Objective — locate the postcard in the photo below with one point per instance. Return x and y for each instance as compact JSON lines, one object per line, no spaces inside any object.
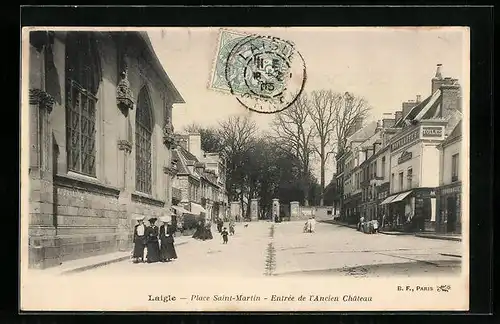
{"x":245,"y":169}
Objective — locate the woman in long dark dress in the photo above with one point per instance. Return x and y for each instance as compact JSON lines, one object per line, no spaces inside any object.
{"x":167,"y":249}
{"x":153,"y":245}
{"x":198,"y":234}
{"x":139,"y":240}
{"x":208,"y":231}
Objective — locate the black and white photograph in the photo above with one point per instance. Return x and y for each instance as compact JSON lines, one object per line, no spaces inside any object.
{"x":244,"y":168}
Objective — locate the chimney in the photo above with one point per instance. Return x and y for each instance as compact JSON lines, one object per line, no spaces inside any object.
{"x":398,"y":115}
{"x":451,"y":98}
{"x":388,"y":122}
{"x":195,"y":145}
{"x":407,"y":106}
{"x":438,"y":80}
{"x":380,"y":125}
{"x":438,"y":72}
{"x":419,"y":99}
{"x":356,"y":125}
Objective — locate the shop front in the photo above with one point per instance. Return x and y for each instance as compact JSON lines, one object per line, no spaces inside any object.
{"x":352,"y":208}
{"x":425,"y":208}
{"x":449,"y":208}
{"x":412,"y":210}
{"x":382,"y":209}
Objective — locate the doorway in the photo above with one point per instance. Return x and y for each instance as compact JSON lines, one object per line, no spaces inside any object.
{"x":451,"y":209}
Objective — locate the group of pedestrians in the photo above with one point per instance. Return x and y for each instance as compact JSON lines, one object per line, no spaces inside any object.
{"x":203,"y":230}
{"x":369,"y":227}
{"x":223,"y":230}
{"x":158,"y":241}
{"x":310,"y":225}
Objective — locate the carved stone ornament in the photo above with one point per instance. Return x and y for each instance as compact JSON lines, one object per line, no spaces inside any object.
{"x":125,"y":145}
{"x":168,"y":134}
{"x":172,"y":171}
{"x":42,"y":99}
{"x":124,"y":95}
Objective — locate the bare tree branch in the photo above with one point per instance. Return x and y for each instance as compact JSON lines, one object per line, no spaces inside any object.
{"x":294,"y":132}
{"x":322,"y":111}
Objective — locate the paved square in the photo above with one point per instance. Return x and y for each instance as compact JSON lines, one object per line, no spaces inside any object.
{"x":331,"y":250}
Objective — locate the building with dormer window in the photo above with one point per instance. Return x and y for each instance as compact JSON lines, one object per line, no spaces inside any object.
{"x":415,"y":155}
{"x":201,"y":179}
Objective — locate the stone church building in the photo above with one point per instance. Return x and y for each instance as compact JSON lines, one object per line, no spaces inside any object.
{"x":101,"y":140}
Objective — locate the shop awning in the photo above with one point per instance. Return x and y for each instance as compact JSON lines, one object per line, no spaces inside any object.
{"x":181,"y":210}
{"x":388,"y":199}
{"x":401,"y":197}
{"x":197,"y":209}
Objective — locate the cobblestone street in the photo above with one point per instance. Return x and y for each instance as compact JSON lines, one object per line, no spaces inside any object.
{"x":332,"y":250}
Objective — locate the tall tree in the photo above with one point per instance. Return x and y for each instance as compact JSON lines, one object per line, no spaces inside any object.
{"x":238,"y":136}
{"x":322,"y":107}
{"x":347,"y":110}
{"x":294,"y":132}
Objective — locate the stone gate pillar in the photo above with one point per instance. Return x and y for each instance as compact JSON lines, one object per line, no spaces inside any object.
{"x":254,"y":209}
{"x":276,"y":207}
{"x":294,"y":210}
{"x":235,"y":211}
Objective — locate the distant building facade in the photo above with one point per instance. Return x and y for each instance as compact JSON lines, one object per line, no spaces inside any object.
{"x":200,"y":178}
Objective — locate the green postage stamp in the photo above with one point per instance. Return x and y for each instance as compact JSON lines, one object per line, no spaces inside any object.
{"x":265,"y":73}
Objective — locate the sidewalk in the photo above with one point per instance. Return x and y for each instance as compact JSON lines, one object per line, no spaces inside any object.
{"x":429,"y":235}
{"x":437,"y":236}
{"x":84,"y":264}
{"x":334,"y":222}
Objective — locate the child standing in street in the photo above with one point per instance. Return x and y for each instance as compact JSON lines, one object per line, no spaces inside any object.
{"x":224,"y":235}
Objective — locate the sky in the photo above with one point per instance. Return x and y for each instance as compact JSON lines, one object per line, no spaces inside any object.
{"x":386,"y":66}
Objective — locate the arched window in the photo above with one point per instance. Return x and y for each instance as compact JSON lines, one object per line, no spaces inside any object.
{"x":83,"y":75}
{"x":143,"y":131}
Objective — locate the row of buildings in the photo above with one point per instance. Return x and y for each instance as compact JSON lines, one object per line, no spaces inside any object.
{"x":407,"y":167}
{"x":102,"y":147}
{"x":200,"y":181}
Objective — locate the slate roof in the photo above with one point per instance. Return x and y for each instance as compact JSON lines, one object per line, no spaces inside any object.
{"x":182,"y":168}
{"x":429,"y":108}
{"x":364,"y":133}
{"x":372,"y":140}
{"x":455,"y":133}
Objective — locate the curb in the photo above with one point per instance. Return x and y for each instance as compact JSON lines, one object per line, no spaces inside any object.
{"x":394,"y":233}
{"x":103,"y":263}
{"x":456,"y":239}
{"x":339,"y":224}
{"x":451,"y":255}
{"x":427,"y":236}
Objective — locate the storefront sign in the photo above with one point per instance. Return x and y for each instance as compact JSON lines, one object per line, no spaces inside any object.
{"x":432,"y":131}
{"x":451,"y":190}
{"x":405,"y":156}
{"x":407,"y":139}
{"x":425,"y":193}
